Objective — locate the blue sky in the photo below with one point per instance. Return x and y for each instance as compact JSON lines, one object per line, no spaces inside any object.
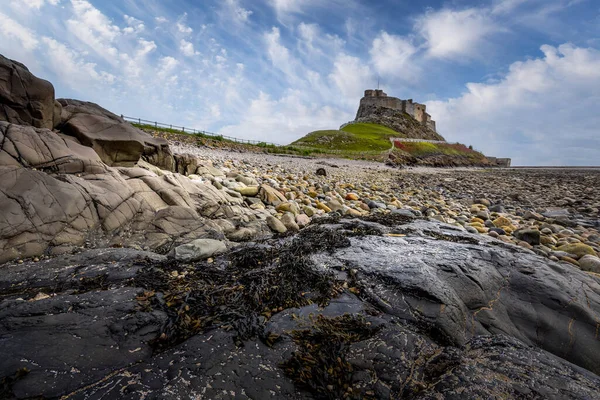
{"x":516,"y":78}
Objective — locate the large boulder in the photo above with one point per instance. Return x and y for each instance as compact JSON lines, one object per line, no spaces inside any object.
{"x":57,"y":195}
{"x":24,"y":98}
{"x":117,"y":142}
{"x":124,"y":324}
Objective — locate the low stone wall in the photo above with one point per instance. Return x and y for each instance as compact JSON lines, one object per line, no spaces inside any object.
{"x":418,"y":140}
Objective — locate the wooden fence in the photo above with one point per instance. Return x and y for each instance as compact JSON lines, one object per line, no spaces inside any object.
{"x":192,"y":131}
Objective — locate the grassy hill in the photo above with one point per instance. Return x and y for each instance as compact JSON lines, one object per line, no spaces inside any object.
{"x":352,"y":138}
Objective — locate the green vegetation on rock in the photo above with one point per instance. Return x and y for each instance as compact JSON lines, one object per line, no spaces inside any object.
{"x":361,"y":137}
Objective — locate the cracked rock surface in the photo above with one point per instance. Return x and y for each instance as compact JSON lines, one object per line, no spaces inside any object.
{"x":57,"y":195}
{"x":375,"y":309}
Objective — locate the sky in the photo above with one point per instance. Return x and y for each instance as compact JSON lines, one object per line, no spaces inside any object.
{"x":513,"y":78}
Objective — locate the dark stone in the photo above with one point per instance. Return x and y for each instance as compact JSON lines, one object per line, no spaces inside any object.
{"x":321,"y":172}
{"x":531,"y":236}
{"x":499,"y":231}
{"x":499,"y":208}
{"x":436,"y":313}
{"x":24,"y":98}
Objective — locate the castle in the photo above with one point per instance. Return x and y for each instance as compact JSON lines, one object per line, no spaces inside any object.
{"x":379,"y":98}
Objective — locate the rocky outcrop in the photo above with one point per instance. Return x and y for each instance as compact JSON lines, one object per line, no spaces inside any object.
{"x":57,"y":194}
{"x":397,"y":120}
{"x":346,"y":309}
{"x":117,"y":142}
{"x":24,"y":98}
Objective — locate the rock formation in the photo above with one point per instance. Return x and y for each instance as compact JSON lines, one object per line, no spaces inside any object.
{"x":98,"y":181}
{"x":436,"y":313}
{"x":26,"y":99}
{"x":117,"y":142}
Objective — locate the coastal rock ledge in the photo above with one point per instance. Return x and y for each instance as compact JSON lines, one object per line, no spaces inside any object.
{"x":343,"y":309}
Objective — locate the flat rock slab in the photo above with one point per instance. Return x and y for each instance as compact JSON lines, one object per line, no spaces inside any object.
{"x":456,"y":289}
{"x":443,"y":313}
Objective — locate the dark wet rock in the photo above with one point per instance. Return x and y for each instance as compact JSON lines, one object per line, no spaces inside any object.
{"x":458,"y":290}
{"x":499,"y":208}
{"x":321,"y":172}
{"x":531,"y":236}
{"x":347,"y":308}
{"x":24,"y":98}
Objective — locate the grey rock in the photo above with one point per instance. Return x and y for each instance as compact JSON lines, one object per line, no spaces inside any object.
{"x":199,"y":249}
{"x":276,"y":225}
{"x":498,"y":208}
{"x":116,"y":141}
{"x":590,"y":263}
{"x":531,"y":236}
{"x":289,"y":221}
{"x":404,"y":212}
{"x":24,"y":98}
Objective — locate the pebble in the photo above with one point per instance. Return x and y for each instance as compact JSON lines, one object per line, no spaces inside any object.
{"x":518,"y":207}
{"x":276,"y":225}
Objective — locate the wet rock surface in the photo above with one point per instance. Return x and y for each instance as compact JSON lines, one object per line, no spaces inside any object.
{"x":346,"y":308}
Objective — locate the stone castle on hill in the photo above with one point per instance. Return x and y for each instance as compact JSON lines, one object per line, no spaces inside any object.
{"x":379,"y":98}
{"x":406,"y":117}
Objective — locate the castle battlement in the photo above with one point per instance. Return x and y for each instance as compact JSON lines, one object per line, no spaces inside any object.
{"x":379,"y":98}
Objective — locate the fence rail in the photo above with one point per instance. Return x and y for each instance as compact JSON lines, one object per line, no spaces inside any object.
{"x":192,"y":131}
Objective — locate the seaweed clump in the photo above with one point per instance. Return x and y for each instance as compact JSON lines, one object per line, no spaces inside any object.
{"x":242,"y":290}
{"x":319,"y":365}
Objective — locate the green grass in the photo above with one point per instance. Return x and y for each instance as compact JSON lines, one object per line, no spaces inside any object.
{"x":178,"y":132}
{"x":424,"y":149}
{"x":352,"y":138}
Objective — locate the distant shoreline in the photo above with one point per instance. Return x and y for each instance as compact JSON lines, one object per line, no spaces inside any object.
{"x":554,"y":167}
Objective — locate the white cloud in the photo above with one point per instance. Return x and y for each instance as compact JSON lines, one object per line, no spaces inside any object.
{"x":94,"y":20}
{"x":187,"y":48}
{"x":145,"y":47}
{"x":161,"y":20}
{"x":37,"y":4}
{"x":393,"y":56}
{"x":287,"y":6}
{"x":506,"y":6}
{"x":285,"y":120}
{"x":134,"y":25}
{"x":454,"y":34}
{"x":278,"y":53}
{"x":350,"y":76}
{"x":93,"y":29}
{"x":68,"y":65}
{"x":236,"y":12}
{"x":182,"y":27}
{"x":540,"y":113}
{"x":12,"y":30}
{"x":166,"y":67}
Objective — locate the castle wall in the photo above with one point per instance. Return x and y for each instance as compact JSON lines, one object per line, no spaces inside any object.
{"x":388,"y":102}
{"x":420,"y":113}
{"x":378,"y":98}
{"x":408,"y":107}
